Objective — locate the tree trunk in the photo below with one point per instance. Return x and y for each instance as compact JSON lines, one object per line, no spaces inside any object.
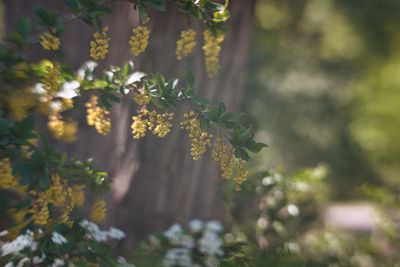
{"x":155,"y":181}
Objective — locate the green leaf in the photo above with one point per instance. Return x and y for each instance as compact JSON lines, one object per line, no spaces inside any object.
{"x":241,"y":153}
{"x":254,"y":146}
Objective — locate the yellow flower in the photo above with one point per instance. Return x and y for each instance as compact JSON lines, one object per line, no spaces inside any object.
{"x":186,"y":44}
{"x":52,"y":79}
{"x":241,"y":173}
{"x":56,"y":193}
{"x":212,"y":49}
{"x":140,"y":124}
{"x":99,"y":210}
{"x":49,"y":41}
{"x":162,"y":124}
{"x":141,"y":98}
{"x":223,"y":155}
{"x":20,"y":70}
{"x":97,"y":116}
{"x":100,"y":44}
{"x":70,"y":131}
{"x":7,"y":180}
{"x":39,"y":209}
{"x":139,"y":40}
{"x":199,"y":138}
{"x":56,"y":125}
{"x":78,"y":195}
{"x":19,"y":103}
{"x":159,"y":124}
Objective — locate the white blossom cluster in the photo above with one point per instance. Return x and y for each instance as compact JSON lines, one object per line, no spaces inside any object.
{"x":202,"y":242}
{"x":94,"y":232}
{"x":21,"y":242}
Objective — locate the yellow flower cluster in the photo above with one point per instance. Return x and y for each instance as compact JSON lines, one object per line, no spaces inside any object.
{"x":97,"y":116}
{"x":52,"y":78}
{"x":20,"y":70}
{"x":139,"y":40}
{"x":100,"y":44}
{"x":40,"y":210}
{"x":78,"y":195}
{"x":186,"y":44}
{"x":199,"y":138}
{"x":141,"y":98}
{"x":56,"y":125}
{"x":158,"y":124}
{"x":56,"y":194}
{"x":98,"y":212}
{"x":19,"y":103}
{"x":241,"y":173}
{"x":62,"y":130}
{"x":49,"y":41}
{"x":222,"y":154}
{"x":212,"y":49}
{"x":19,"y":223}
{"x":7,"y":179}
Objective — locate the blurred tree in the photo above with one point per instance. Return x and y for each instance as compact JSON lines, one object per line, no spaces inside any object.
{"x":155,"y":183}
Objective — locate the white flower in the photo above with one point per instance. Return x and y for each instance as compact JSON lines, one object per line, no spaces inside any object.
{"x":56,"y":105}
{"x":39,"y":89}
{"x":177,"y":257}
{"x":196,"y":225}
{"x":214,"y":226}
{"x":21,"y":242}
{"x":210,"y":244}
{"x":135,"y":77}
{"x":186,"y":241}
{"x":174,"y":233}
{"x":116,"y":233}
{"x":293,"y":210}
{"x":87,"y":70}
{"x":22,"y":262}
{"x":9,"y":264}
{"x":59,"y":239}
{"x":58,"y":263}
{"x":37,"y":259}
{"x":68,"y":89}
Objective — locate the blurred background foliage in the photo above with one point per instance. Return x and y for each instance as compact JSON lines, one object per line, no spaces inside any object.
{"x":323,"y":83}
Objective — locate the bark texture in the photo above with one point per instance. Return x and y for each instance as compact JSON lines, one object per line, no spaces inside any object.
{"x":155,"y":181}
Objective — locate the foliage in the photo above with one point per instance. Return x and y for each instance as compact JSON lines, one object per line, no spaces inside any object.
{"x":44,"y":191}
{"x":203,"y":244}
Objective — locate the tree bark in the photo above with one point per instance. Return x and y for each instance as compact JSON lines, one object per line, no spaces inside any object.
{"x":155,"y":181}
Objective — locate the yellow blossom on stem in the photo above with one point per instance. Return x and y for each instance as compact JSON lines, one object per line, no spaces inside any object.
{"x":139,"y":40}
{"x":39,"y":209}
{"x":49,"y":41}
{"x":223,"y":155}
{"x":7,"y":179}
{"x":162,"y":124}
{"x":186,"y":44}
{"x":78,"y":195}
{"x":70,"y":131}
{"x":19,"y":103}
{"x":199,"y":138}
{"x":241,"y":173}
{"x":56,"y":193}
{"x":52,"y":79}
{"x":100,"y":44}
{"x":98,"y":116}
{"x":56,"y":125}
{"x":98,"y":212}
{"x":141,"y":98}
{"x":140,"y":124}
{"x":212,"y":49}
